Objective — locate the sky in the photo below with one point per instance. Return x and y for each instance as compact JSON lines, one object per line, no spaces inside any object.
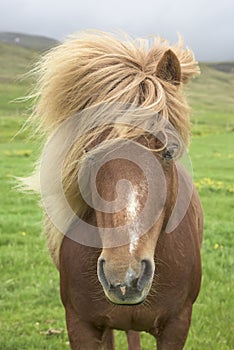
{"x":207,"y":26}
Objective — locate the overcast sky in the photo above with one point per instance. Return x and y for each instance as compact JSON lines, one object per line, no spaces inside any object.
{"x":206,"y":25}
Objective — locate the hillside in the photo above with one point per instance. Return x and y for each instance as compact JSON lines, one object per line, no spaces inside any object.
{"x":33,"y":42}
{"x":212,"y":98}
{"x":18,"y":54}
{"x":15,"y":60}
{"x":227,"y":67}
{"x":211,"y":95}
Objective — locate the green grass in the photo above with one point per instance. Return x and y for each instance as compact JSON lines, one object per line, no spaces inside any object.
{"x":29,"y":288}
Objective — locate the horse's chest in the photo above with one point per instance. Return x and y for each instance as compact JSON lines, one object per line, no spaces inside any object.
{"x":137,"y":317}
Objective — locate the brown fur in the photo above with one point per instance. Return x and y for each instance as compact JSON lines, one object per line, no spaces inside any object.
{"x":166,"y":311}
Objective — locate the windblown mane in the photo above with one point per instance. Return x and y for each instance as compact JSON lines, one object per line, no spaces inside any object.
{"x":95,"y":68}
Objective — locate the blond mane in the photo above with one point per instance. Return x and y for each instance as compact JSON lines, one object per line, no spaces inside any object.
{"x":93,"y":69}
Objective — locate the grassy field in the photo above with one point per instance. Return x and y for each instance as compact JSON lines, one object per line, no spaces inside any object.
{"x":31,"y":314}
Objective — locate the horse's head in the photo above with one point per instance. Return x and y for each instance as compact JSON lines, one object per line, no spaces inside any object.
{"x":126,"y":265}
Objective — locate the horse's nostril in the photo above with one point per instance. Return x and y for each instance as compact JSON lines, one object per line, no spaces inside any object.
{"x":146,"y":274}
{"x":101,"y":261}
{"x":101,"y":273}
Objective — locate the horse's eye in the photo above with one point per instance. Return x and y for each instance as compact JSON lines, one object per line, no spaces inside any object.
{"x":169,"y":152}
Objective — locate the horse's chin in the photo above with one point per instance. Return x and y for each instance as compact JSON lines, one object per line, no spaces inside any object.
{"x":126,"y":302}
{"x":130,"y":300}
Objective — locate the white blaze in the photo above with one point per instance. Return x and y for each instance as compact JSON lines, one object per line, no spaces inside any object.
{"x":132,"y":210}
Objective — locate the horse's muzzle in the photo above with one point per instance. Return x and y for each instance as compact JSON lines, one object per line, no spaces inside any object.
{"x":132,"y":289}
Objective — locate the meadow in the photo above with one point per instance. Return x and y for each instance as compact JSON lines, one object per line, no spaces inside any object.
{"x":31,"y":313}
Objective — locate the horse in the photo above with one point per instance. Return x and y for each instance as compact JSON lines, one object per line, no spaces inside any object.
{"x":126,"y":238}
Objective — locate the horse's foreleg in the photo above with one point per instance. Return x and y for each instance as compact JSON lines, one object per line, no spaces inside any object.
{"x":174,"y":333}
{"x":82,"y":335}
{"x":134,"y":341}
{"x":108,"y":340}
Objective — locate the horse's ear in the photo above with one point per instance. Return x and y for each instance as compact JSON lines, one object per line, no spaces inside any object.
{"x":169,"y":68}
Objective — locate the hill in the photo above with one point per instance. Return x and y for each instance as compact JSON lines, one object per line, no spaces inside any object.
{"x":18,"y":54}
{"x":227,"y":67}
{"x":33,"y":42}
{"x":211,"y":96}
{"x":15,"y":60}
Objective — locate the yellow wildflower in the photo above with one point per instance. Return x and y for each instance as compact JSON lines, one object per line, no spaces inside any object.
{"x":217,"y":155}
